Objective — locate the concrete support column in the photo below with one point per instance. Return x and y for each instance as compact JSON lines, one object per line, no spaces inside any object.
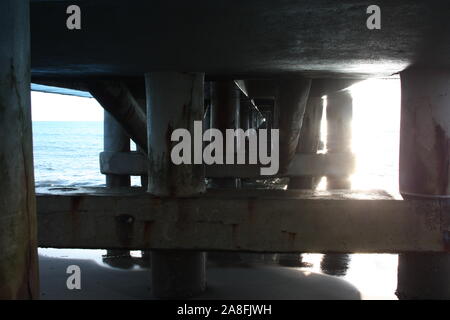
{"x":424,"y":133}
{"x":339,"y":138}
{"x":291,"y":98}
{"x":144,"y":178}
{"x":19,"y":276}
{"x":245,"y":115}
{"x":174,"y":101}
{"x":225,"y":114}
{"x":424,"y":172}
{"x":339,"y":132}
{"x":115,"y":139}
{"x":309,"y":140}
{"x":307,"y":143}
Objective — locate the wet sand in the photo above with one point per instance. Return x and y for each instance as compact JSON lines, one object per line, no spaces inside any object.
{"x":256,"y":281}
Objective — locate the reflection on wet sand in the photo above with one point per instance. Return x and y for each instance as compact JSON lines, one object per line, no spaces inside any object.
{"x":249,"y":280}
{"x":335,"y":264}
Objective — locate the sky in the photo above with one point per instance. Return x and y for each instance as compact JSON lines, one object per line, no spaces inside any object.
{"x":57,"y":107}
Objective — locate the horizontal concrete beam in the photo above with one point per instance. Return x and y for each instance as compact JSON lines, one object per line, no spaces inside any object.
{"x":333,"y":164}
{"x":254,"y":220}
{"x":131,"y":163}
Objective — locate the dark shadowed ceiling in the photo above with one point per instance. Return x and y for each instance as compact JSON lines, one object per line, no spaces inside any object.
{"x":317,"y":38}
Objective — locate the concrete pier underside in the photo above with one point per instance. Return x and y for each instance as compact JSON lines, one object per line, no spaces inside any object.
{"x":254,"y":39}
{"x":320,"y":39}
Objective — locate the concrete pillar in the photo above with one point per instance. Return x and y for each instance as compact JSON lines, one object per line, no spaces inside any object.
{"x":245,"y":114}
{"x":178,"y":274}
{"x":424,"y":132}
{"x":115,"y":139}
{"x":423,"y":276}
{"x":309,"y":140}
{"x":245,"y":124}
{"x":225,"y":113}
{"x":18,"y":254}
{"x":339,"y":132}
{"x":424,"y":172}
{"x":307,"y":143}
{"x":291,"y":98}
{"x":144,"y":178}
{"x":339,"y":138}
{"x":174,"y":100}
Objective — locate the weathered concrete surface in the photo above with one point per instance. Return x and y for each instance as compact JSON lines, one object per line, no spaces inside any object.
{"x":135,"y":163}
{"x":424,"y":172}
{"x":323,"y":38}
{"x":424,"y":133}
{"x":174,"y":101}
{"x":259,"y":220}
{"x":116,"y":98}
{"x":18,"y":236}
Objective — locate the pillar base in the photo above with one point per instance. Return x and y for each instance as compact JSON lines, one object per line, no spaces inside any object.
{"x":178,"y":274}
{"x":423,"y":276}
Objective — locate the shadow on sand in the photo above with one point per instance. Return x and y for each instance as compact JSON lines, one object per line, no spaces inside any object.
{"x":131,"y":280}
